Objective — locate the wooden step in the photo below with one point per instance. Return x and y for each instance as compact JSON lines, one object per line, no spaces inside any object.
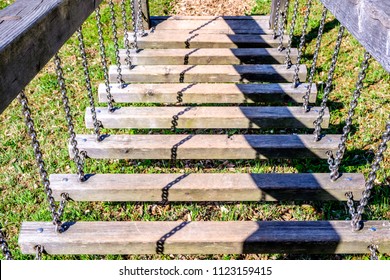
{"x":206,"y":187}
{"x":207,"y":93}
{"x":207,"y":117}
{"x":207,"y":56}
{"x":207,"y":73}
{"x":227,"y":26}
{"x":223,"y":18}
{"x":308,"y":237}
{"x":160,"y":39}
{"x":206,"y":146}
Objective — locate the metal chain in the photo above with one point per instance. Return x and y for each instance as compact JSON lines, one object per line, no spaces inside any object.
{"x":291,"y":34}
{"x":282,"y":25}
{"x":140,"y":22}
{"x":302,"y":44}
{"x":38,"y":252}
{"x":328,"y":86}
{"x":276,"y":22}
{"x":78,"y":156}
{"x":315,"y":57}
{"x":4,"y":247}
{"x":374,"y":252}
{"x":357,"y":214}
{"x":334,"y":162}
{"x":116,"y":45}
{"x":134,"y":22}
{"x":110,"y":100}
{"x":126,"y":30}
{"x":56,"y":214}
{"x":96,"y":124}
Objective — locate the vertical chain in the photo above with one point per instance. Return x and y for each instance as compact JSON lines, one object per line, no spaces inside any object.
{"x":328,"y":86}
{"x":373,"y":252}
{"x":56,"y":214}
{"x":78,"y":156}
{"x":110,"y":100}
{"x":336,"y":161}
{"x":276,"y":20}
{"x":140,"y":22}
{"x":116,"y":45}
{"x":291,"y":34}
{"x":134,"y":22}
{"x":302,"y":44}
{"x":282,"y":25}
{"x":4,"y":247}
{"x":126,"y":30}
{"x":38,"y":252}
{"x":357,"y":215}
{"x":96,"y":124}
{"x":315,"y":57}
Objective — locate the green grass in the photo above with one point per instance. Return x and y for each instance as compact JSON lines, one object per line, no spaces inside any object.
{"x":22,"y":193}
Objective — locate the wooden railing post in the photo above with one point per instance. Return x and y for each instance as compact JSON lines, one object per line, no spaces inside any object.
{"x":145,"y":12}
{"x":273,"y":11}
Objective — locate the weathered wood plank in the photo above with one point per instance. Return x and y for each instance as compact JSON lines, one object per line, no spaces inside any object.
{"x":262,"y":18}
{"x":213,"y":25}
{"x":316,"y":237}
{"x":207,"y":93}
{"x":206,"y":146}
{"x":273,"y":11}
{"x":207,"y":117}
{"x":31,"y":32}
{"x":165,"y":40}
{"x":206,"y":187}
{"x":145,"y":12}
{"x":369,"y":22}
{"x":208,"y":56}
{"x":207,"y":73}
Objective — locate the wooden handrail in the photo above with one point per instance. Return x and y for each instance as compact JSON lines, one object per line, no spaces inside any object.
{"x":31,"y":32}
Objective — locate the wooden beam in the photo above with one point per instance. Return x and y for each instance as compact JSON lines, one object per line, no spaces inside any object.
{"x":206,"y":187}
{"x":273,"y":11}
{"x":369,"y":22}
{"x":207,"y":117}
{"x":207,"y":73}
{"x":206,"y":146}
{"x":102,"y":238}
{"x":145,"y":13}
{"x":31,"y":32}
{"x":207,"y":93}
{"x":160,"y":18}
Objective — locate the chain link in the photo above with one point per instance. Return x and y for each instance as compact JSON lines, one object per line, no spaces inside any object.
{"x":110,"y":100}
{"x":77,"y":156}
{"x":291,"y":34}
{"x":140,"y":22}
{"x":282,"y":25}
{"x":38,"y":252}
{"x":336,"y":161}
{"x":374,"y":252}
{"x":4,"y":246}
{"x":96,"y":124}
{"x":315,"y":57}
{"x":126,"y":30}
{"x":276,"y":19}
{"x":56,"y":214}
{"x":328,"y":86}
{"x":302,"y":44}
{"x":134,"y":22}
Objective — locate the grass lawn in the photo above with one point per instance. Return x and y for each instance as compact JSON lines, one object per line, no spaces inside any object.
{"x":22,"y":194}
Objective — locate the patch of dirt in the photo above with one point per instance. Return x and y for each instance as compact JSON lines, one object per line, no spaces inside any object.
{"x":213,"y":7}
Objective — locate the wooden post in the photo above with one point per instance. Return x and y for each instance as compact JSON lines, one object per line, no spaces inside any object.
{"x":273,"y":11}
{"x":145,"y":12}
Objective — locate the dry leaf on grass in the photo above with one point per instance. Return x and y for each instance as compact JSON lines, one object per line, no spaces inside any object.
{"x":213,"y":7}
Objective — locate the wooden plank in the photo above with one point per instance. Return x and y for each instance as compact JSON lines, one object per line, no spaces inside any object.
{"x":207,"y":73}
{"x":206,"y":187}
{"x":208,"y":56}
{"x":262,"y":18}
{"x":308,"y":237}
{"x":164,"y":40}
{"x":31,"y":32}
{"x":213,"y":25}
{"x":207,"y":93}
{"x":369,"y":22}
{"x":206,"y":146}
{"x":273,"y":11}
{"x":207,"y":117}
{"x":145,"y":12}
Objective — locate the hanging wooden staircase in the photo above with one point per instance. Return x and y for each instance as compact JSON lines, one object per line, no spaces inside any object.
{"x":232,"y":63}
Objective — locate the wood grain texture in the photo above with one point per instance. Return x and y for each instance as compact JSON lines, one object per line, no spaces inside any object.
{"x":369,"y":22}
{"x":207,"y":93}
{"x":206,"y":187}
{"x":207,"y":117}
{"x":202,"y":18}
{"x":160,"y":39}
{"x":31,"y":32}
{"x":206,"y":146}
{"x":207,"y":73}
{"x":235,"y":26}
{"x":208,"y":56}
{"x":303,"y":237}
